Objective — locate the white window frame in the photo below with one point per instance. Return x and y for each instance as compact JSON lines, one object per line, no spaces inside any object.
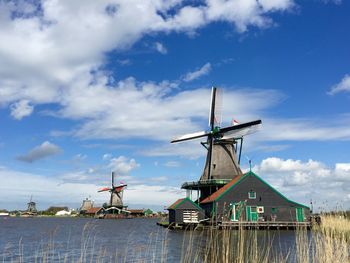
{"x":249,"y":195}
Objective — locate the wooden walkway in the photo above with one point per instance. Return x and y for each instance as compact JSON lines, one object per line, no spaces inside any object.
{"x":264,"y":225}
{"x":268,"y":225}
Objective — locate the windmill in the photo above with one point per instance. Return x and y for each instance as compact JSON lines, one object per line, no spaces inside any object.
{"x":116,"y":199}
{"x":222,"y":164}
{"x":32,"y":206}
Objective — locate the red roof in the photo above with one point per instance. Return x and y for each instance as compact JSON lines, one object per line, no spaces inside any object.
{"x":136,"y":211}
{"x":223,"y":189}
{"x":175,"y":204}
{"x":93,"y":210}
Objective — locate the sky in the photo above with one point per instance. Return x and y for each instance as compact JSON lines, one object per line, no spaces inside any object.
{"x":89,"y":87}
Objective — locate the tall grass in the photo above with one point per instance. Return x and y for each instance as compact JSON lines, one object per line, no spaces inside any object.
{"x":328,"y":242}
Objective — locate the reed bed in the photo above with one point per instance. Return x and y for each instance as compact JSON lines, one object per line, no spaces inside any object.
{"x":328,"y":242}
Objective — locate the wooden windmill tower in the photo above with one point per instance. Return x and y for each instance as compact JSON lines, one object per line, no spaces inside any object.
{"x":222,"y":164}
{"x":116,"y":198}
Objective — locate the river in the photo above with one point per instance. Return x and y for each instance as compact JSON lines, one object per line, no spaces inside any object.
{"x":53,"y":239}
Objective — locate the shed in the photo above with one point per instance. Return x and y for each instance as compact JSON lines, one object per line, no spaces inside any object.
{"x":250,"y":198}
{"x":93,"y":211}
{"x":185,"y":211}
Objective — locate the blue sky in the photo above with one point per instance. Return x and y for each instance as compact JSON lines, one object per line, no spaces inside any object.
{"x":88,"y":87}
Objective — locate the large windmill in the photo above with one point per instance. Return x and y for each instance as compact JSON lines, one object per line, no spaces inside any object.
{"x":116,"y":200}
{"x":222,"y":164}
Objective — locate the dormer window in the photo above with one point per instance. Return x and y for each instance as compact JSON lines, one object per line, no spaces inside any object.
{"x":252,"y":195}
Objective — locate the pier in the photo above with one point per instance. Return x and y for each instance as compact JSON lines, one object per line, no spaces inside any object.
{"x":247,"y":225}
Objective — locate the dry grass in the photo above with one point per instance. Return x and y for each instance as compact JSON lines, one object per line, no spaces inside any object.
{"x":336,"y":226}
{"x":328,"y":242}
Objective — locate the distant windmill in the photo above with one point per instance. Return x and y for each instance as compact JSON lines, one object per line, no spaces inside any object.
{"x":32,"y":206}
{"x":221,"y":164}
{"x":116,"y":199}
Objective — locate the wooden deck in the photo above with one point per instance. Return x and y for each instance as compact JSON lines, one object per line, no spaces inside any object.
{"x":264,"y":225}
{"x":268,"y":225}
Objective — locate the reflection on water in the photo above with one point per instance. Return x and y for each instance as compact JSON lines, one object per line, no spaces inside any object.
{"x":123,"y":240}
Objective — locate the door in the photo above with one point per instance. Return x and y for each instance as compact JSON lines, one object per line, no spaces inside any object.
{"x":248,"y":213}
{"x":252,"y":213}
{"x":300,"y":214}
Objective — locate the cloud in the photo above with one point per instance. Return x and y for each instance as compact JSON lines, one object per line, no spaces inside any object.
{"x":62,"y":29}
{"x":342,"y":86}
{"x":79,"y":157}
{"x":302,"y":181}
{"x":49,"y":190}
{"x":172,"y":164}
{"x":303,"y":129}
{"x":42,"y":151}
{"x":107,"y":156}
{"x":21,"y":109}
{"x":124,"y":62}
{"x":122,"y":165}
{"x":159,"y":179}
{"x":337,"y":2}
{"x":204,"y":70}
{"x":161,"y":48}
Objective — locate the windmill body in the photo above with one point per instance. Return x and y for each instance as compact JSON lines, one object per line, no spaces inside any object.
{"x":222,"y":164}
{"x":115,"y":204}
{"x":31,"y":209}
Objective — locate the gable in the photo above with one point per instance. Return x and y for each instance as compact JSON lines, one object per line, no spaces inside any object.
{"x":174,"y":205}
{"x":184,"y":203}
{"x":237,"y":181}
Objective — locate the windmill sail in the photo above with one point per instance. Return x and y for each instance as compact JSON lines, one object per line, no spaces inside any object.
{"x":240,"y":130}
{"x":190,"y":136}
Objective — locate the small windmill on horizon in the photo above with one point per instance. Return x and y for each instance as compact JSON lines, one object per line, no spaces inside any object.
{"x":115,"y":205}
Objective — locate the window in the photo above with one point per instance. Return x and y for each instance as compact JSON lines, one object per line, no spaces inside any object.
{"x":252,"y":195}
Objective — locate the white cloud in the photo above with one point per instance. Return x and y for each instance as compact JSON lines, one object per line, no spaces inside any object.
{"x":204,"y":70}
{"x":124,"y":62}
{"x":303,"y":129}
{"x":107,"y":156}
{"x":122,"y":165}
{"x":42,"y":151}
{"x":159,"y":179}
{"x":302,"y":181}
{"x":153,"y":195}
{"x":21,"y":109}
{"x":342,"y":86}
{"x":79,"y":157}
{"x":62,"y":29}
{"x":161,"y":48}
{"x":49,"y":190}
{"x":337,"y":2}
{"x":172,"y":164}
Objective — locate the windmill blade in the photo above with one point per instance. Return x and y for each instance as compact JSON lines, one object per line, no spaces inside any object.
{"x":112,"y":179}
{"x":212,"y":108}
{"x":190,"y":136}
{"x":119,"y":188}
{"x":218,"y":107}
{"x":104,"y":189}
{"x":240,"y":130}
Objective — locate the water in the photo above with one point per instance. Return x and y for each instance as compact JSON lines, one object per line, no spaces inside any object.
{"x":91,"y":240}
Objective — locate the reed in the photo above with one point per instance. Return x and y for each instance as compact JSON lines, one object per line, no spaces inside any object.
{"x":328,"y":242}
